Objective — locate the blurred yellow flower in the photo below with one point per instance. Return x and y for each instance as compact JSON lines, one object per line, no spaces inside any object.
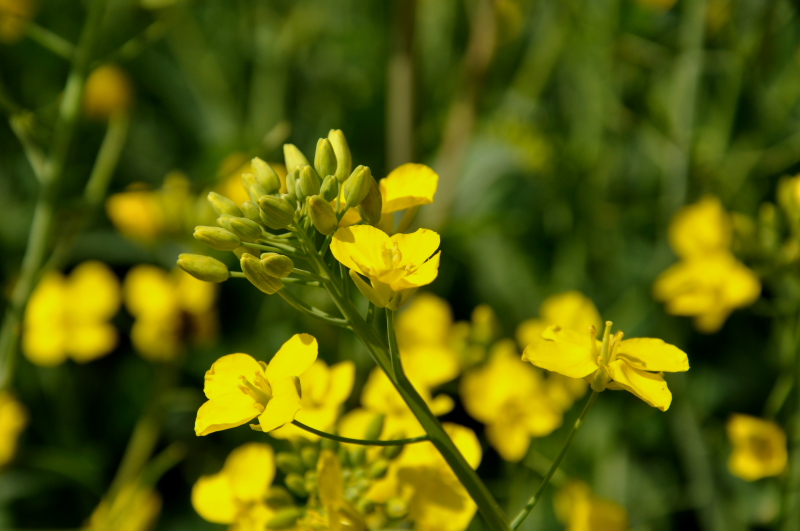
{"x":342,"y":516}
{"x":629,"y":363}
{"x":235,"y":495}
{"x":14,"y":16}
{"x":324,"y":391}
{"x":13,"y":419}
{"x":134,"y":508}
{"x":396,"y":265}
{"x":408,"y":186}
{"x":109,"y":91}
{"x":759,"y":447}
{"x":67,"y":317}
{"x":509,"y":397}
{"x":572,"y":310}
{"x":168,"y":308}
{"x":580,"y":510}
{"x":700,"y":228}
{"x":239,"y":388}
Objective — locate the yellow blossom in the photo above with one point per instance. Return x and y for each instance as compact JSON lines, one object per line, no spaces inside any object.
{"x":396,"y":265}
{"x":759,"y":447}
{"x":239,"y":388}
{"x":13,"y":419}
{"x":580,"y":510}
{"x":167,"y":307}
{"x":67,"y":317}
{"x":509,"y":397}
{"x":635,"y":365}
{"x":700,"y":228}
{"x":342,"y":516}
{"x":324,"y":391}
{"x":572,"y":310}
{"x":14,"y":16}
{"x":108,"y":92}
{"x":408,"y":186}
{"x":134,"y":508}
{"x":235,"y":495}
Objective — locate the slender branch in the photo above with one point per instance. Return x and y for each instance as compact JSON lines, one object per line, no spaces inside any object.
{"x":237,"y":274}
{"x":272,"y":249}
{"x":304,"y":273}
{"x":362,"y":442}
{"x":325,"y":245}
{"x":303,"y":282}
{"x":310,"y":310}
{"x":47,"y":39}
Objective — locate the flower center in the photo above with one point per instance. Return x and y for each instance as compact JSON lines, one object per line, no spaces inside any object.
{"x":391,"y":256}
{"x":259,"y":389}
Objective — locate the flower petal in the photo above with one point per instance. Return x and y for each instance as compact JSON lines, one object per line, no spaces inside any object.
{"x":212,"y":498}
{"x":510,"y":440}
{"x":423,"y":276}
{"x":293,"y":358}
{"x":227,"y":412}
{"x":648,"y":386}
{"x":250,"y":469}
{"x":342,"y":377}
{"x":649,"y":354}
{"x":565,"y":351}
{"x":283,"y":406}
{"x":223,"y":378}
{"x":416,"y":247}
{"x":408,"y":185}
{"x":361,"y":245}
{"x":93,"y":292}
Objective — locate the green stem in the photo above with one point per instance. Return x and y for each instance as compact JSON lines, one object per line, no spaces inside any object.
{"x":302,"y":282}
{"x":237,"y":274}
{"x":272,"y":250}
{"x":325,"y":245}
{"x":362,"y":442}
{"x":55,"y":43}
{"x":546,"y":480}
{"x":311,"y":311}
{"x":304,"y":273}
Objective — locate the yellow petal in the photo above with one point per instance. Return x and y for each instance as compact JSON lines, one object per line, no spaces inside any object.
{"x":430,"y":366}
{"x":649,"y":354}
{"x":222,"y":380}
{"x":158,"y":339}
{"x":427,"y":320}
{"x":648,"y":386}
{"x":408,"y":185}
{"x":250,"y":469}
{"x":510,"y":440}
{"x":293,"y":358}
{"x":149,"y":291}
{"x":283,"y":406}
{"x":45,"y":346}
{"x":564,"y":351}
{"x":314,"y":383}
{"x":571,"y":310}
{"x":342,"y":377}
{"x":93,"y":292}
{"x":212,"y":498}
{"x":194,"y":296}
{"x":224,"y":413}
{"x":13,"y":419}
{"x":137,"y":214}
{"x":700,"y":228}
{"x":423,"y":276}
{"x":530,"y":331}
{"x":354,"y":423}
{"x":330,"y":480}
{"x":759,"y":447}
{"x":320,"y":418}
{"x":361,"y":245}
{"x":86,"y":342}
{"x":416,"y":247}
{"x":466,"y":441}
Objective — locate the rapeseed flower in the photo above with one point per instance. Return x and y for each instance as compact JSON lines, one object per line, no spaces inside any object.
{"x":578,"y":508}
{"x":239,"y":388}
{"x":635,"y":365}
{"x":572,"y":310}
{"x":396,"y":265}
{"x":235,"y":495}
{"x":14,"y":17}
{"x":341,"y":515}
{"x":759,"y":447}
{"x":68,"y":316}
{"x":13,"y":419}
{"x":108,"y":92}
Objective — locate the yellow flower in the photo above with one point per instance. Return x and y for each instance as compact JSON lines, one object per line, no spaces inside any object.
{"x":508,"y":396}
{"x":134,"y":508}
{"x":408,"y":186}
{"x":708,"y":288}
{"x":166,"y":306}
{"x":13,"y":419}
{"x":14,"y":16}
{"x":759,"y":447}
{"x":701,"y":228}
{"x":342,"y":516}
{"x":108,"y":92}
{"x":576,"y":506}
{"x":396,"y":265}
{"x":67,"y":317}
{"x":324,"y":391}
{"x":235,"y":495}
{"x":628,"y":363}
{"x":239,"y":388}
{"x":572,"y":310}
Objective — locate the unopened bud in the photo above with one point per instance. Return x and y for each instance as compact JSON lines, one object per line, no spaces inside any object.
{"x":254,"y":271}
{"x":203,"y":268}
{"x":357,"y":186}
{"x":344,"y":161}
{"x":278,"y":211}
{"x":293,"y":157}
{"x":278,"y":496}
{"x":285,"y":518}
{"x":289,"y":199}
{"x":247,"y":230}
{"x":324,"y":158}
{"x":329,"y":444}
{"x":390,"y":452}
{"x":291,"y":183}
{"x":329,"y":188}
{"x":241,"y":251}
{"x":217,"y":238}
{"x":289,"y":462}
{"x":311,"y":480}
{"x":251,"y":211}
{"x":308,"y":182}
{"x":309,"y":455}
{"x":358,"y":457}
{"x":365,"y":505}
{"x":250,"y":184}
{"x":223,"y":205}
{"x":277,"y":265}
{"x":296,"y":485}
{"x":256,"y":192}
{"x":224,"y":221}
{"x":344,"y":457}
{"x":322,"y":215}
{"x":375,"y":427}
{"x":396,"y":508}
{"x":372,"y":204}
{"x":378,"y":469}
{"x":266,"y":176}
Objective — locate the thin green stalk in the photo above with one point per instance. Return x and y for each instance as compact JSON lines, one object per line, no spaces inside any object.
{"x":791,"y":486}
{"x":370,"y":314}
{"x":311,"y":311}
{"x":546,"y":480}
{"x":270,"y":249}
{"x":302,"y":282}
{"x":362,"y":442}
{"x":237,"y":274}
{"x":55,"y":43}
{"x":304,"y":273}
{"x":325,"y":245}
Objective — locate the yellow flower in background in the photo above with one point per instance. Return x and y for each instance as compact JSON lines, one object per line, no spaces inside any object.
{"x":759,"y":447}
{"x":633,"y":364}
{"x":407,"y":186}
{"x":230,"y":173}
{"x":14,"y":16}
{"x":239,"y":388}
{"x":13,"y":419}
{"x":572,"y":310}
{"x":235,"y":495}
{"x":577,"y":507}
{"x":396,"y":265}
{"x":68,"y":316}
{"x":325,"y":389}
{"x":330,"y":484}
{"x":508,"y":396}
{"x":701,"y":228}
{"x":108,"y":92}
{"x":168,"y":308}
{"x":134,"y":508}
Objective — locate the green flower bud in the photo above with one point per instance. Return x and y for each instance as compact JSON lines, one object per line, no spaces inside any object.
{"x":203,"y":268}
{"x":309,"y":456}
{"x":329,"y":444}
{"x":357,"y":186}
{"x":324,"y":158}
{"x":285,"y":518}
{"x":308,"y":182}
{"x":254,"y":271}
{"x":365,"y":505}
{"x":224,"y":221}
{"x":296,"y":485}
{"x":241,"y":251}
{"x":329,"y":188}
{"x":344,"y":457}
{"x":251,"y":211}
{"x":217,"y":238}
{"x":396,"y":508}
{"x":278,"y":496}
{"x":391,"y":452}
{"x":370,"y":207}
{"x":344,"y":161}
{"x":251,"y":185}
{"x":358,"y":456}
{"x":322,"y":215}
{"x":289,"y":462}
{"x":375,"y":427}
{"x":223,"y":205}
{"x":269,"y":223}
{"x":293,"y":157}
{"x":247,"y":230}
{"x":276,"y":265}
{"x":291,"y":200}
{"x":311,"y":480}
{"x":266,"y":176}
{"x":256,"y":192}
{"x":378,"y":469}
{"x":278,"y":211}
{"x":291,"y":183}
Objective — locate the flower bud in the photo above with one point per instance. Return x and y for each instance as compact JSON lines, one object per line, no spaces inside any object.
{"x":344,"y":457}
{"x":217,"y":238}
{"x":276,"y":265}
{"x":278,"y":496}
{"x":325,"y":158}
{"x":266,"y":176}
{"x":311,"y":480}
{"x":396,"y":508}
{"x":308,"y":181}
{"x":309,"y":456}
{"x":370,"y":207}
{"x":329,"y":188}
{"x":278,"y":211}
{"x":291,"y":183}
{"x":293,"y":157}
{"x":296,"y":485}
{"x":256,"y":192}
{"x":285,"y":518}
{"x":203,"y":268}
{"x":251,"y":185}
{"x":358,"y":456}
{"x":375,"y":427}
{"x":322,"y":215}
{"x":251,"y":211}
{"x":247,"y":230}
{"x":344,"y":161}
{"x":289,"y":199}
{"x":390,"y":452}
{"x":365,"y":505}
{"x":378,"y":469}
{"x":241,"y":251}
{"x":329,"y":444}
{"x":254,"y":271}
{"x":224,"y":221}
{"x":357,"y":186}
{"x":223,"y":205}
